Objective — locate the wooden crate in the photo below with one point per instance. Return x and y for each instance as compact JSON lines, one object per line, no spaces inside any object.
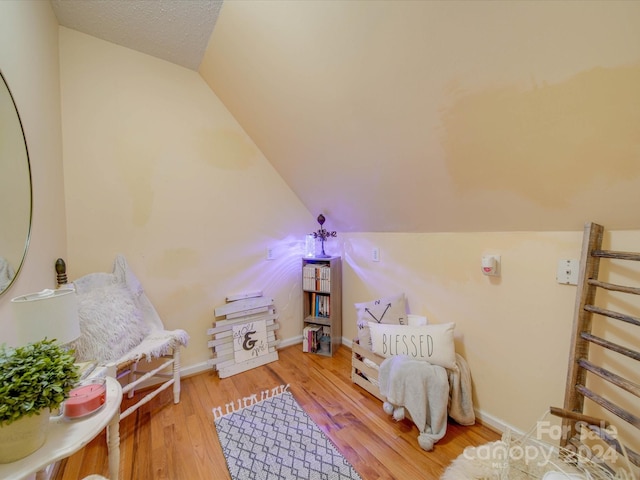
{"x":362,"y":374}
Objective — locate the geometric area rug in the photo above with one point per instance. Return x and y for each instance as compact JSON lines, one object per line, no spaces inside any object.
{"x":275,"y":439}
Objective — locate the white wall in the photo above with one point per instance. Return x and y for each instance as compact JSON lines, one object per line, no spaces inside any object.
{"x":513,"y":330}
{"x":157,"y":169}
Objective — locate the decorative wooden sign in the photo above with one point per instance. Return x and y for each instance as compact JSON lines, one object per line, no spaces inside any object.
{"x":249,"y":340}
{"x":244,"y":334}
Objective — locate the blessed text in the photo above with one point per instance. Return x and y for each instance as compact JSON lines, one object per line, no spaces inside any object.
{"x":417,"y":346}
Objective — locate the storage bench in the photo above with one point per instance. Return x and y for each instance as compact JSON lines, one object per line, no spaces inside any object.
{"x":362,"y":374}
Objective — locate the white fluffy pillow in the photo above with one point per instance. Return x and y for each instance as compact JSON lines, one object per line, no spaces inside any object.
{"x":432,"y":343}
{"x":388,"y":310}
{"x":111,"y":323}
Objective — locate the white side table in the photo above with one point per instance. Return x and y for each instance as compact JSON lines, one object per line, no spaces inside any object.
{"x":65,"y":437}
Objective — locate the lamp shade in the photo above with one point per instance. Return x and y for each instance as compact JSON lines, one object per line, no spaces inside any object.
{"x":51,"y":314}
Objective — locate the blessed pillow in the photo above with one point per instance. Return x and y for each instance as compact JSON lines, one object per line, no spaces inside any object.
{"x":111,"y":323}
{"x":432,"y":343}
{"x":389,"y":310}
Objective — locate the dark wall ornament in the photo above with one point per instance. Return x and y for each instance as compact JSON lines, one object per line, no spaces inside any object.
{"x":323,"y":235}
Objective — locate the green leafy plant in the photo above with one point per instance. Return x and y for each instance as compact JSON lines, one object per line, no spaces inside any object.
{"x":36,"y":376}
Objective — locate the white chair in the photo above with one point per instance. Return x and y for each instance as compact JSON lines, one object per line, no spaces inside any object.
{"x":120,"y":328}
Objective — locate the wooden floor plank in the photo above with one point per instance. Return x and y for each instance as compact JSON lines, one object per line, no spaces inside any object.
{"x":163,"y":441}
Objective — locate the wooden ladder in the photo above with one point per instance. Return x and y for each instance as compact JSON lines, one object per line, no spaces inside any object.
{"x":580,"y":363}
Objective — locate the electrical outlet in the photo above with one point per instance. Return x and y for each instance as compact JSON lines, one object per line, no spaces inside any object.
{"x":375,"y":254}
{"x":567,"y":273}
{"x":271,"y":255}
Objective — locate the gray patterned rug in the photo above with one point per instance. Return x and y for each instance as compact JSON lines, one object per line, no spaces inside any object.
{"x":276,"y":439}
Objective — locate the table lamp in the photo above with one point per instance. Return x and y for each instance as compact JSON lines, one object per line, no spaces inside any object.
{"x":51,"y":314}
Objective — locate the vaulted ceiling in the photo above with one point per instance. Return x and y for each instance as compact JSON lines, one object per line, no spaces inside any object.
{"x":417,"y":116}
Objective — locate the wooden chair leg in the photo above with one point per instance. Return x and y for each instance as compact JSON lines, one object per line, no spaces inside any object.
{"x":176,"y":375}
{"x":131,"y":377}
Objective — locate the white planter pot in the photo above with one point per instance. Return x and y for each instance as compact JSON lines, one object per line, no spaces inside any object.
{"x":23,"y":437}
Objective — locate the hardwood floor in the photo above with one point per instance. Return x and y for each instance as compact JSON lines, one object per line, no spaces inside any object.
{"x":178,"y":442}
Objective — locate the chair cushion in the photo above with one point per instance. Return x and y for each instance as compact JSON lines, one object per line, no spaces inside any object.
{"x":156,"y":344}
{"x":118,"y":323}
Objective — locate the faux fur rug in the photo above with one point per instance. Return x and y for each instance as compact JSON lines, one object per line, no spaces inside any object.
{"x":275,"y":439}
{"x":519,"y":461}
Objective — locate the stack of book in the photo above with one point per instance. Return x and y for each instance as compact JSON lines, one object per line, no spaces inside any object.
{"x":311,"y":335}
{"x":316,"y":277}
{"x":320,"y":305}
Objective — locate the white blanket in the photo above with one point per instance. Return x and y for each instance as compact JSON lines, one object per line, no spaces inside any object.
{"x":429,"y":392}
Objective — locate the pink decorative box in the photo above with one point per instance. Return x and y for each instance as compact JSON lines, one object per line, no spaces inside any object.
{"x":88,"y":397}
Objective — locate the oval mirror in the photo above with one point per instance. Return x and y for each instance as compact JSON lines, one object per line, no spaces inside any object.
{"x":15,"y":190}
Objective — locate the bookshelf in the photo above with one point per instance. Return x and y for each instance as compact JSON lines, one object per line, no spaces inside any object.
{"x":322,"y":305}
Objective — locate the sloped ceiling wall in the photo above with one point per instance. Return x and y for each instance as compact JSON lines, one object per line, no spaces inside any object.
{"x":421,"y":116}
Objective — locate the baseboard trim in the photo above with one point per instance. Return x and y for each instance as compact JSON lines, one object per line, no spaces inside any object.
{"x":195,"y":369}
{"x":496,"y":424}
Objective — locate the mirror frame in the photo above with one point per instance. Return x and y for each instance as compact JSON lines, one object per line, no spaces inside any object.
{"x":29,"y":186}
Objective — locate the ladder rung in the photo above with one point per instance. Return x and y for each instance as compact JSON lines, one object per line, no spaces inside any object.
{"x":611,"y":346}
{"x":611,"y":314}
{"x":614,"y":443}
{"x":611,"y":377}
{"x":618,"y":255}
{"x":630,"y":418}
{"x":614,"y":287}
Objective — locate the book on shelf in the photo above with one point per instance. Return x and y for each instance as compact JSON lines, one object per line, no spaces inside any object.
{"x":311,"y":338}
{"x":305,"y":339}
{"x":317,"y":277}
{"x":320,"y":305}
{"x":314,"y":332}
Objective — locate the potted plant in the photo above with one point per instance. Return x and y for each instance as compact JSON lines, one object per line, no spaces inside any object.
{"x":34,"y":380}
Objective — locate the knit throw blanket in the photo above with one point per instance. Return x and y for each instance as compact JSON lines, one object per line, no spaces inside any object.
{"x":430,"y":393}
